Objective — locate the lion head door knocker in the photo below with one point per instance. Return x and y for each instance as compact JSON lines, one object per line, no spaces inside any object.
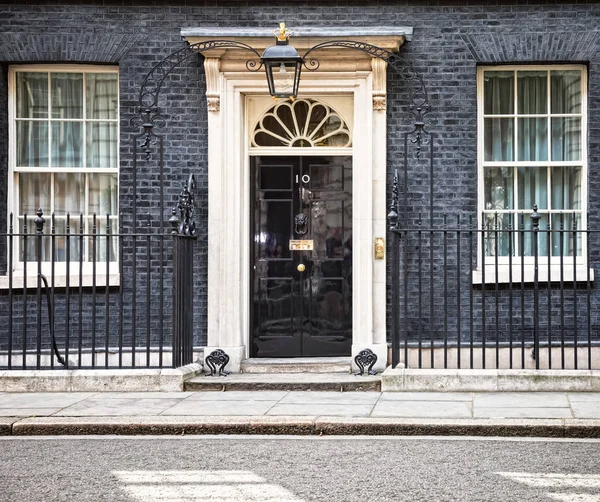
{"x":301,"y":224}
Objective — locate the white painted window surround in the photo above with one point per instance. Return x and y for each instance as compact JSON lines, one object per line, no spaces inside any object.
{"x":63,"y":145}
{"x":532,"y":149}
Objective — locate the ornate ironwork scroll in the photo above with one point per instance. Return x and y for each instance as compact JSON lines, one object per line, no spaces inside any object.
{"x":366,"y":358}
{"x":217,"y":359}
{"x":150,"y":116}
{"x":393,"y":214}
{"x":418,"y":108}
{"x":182,"y":219}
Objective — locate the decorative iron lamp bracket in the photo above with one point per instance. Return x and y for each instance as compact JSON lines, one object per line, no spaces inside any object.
{"x":416,"y":114}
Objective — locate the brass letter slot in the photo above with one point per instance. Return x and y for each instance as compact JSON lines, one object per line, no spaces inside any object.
{"x":301,"y":245}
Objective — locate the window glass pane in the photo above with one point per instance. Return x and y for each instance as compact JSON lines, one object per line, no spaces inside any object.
{"x":28,"y":245}
{"x":67,"y":95}
{"x":532,"y":92}
{"x":67,"y":139}
{"x":497,"y":239}
{"x":498,"y":91}
{"x":563,"y":243}
{"x":69,"y":193}
{"x":103,"y":194}
{"x":99,"y":245}
{"x":498,"y":187}
{"x":566,"y":138}
{"x":32,"y":144}
{"x":101,"y":144}
{"x":533,"y":187}
{"x":34,"y":193}
{"x":74,"y":243}
{"x":566,"y":187}
{"x":101,"y":95}
{"x":499,"y":139}
{"x":533,"y":139}
{"x":32,"y":95}
{"x":565,"y":91}
{"x":527,"y":238}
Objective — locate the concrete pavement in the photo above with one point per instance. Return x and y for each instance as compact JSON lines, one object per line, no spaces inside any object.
{"x":553,"y":414}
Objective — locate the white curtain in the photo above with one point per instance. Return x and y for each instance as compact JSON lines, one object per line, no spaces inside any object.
{"x":532,"y":145}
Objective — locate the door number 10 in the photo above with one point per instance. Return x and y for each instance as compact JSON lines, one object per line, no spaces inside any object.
{"x":305,"y":178}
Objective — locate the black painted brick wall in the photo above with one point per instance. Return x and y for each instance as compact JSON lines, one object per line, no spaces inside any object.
{"x":450,"y":40}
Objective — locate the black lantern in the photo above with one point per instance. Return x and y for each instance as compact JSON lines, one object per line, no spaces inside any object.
{"x":282,"y":65}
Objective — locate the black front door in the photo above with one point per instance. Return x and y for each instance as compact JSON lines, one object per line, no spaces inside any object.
{"x":302,"y":256}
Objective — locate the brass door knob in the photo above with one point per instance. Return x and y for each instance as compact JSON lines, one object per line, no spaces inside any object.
{"x":301,"y":267}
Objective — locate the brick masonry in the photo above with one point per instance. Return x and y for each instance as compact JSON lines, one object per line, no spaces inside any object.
{"x":450,"y":40}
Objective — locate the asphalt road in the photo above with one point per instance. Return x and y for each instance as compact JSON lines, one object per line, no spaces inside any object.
{"x":285,"y":469}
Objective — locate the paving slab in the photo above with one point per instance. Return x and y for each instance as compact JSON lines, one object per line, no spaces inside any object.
{"x":42,"y":399}
{"x":521,"y":412}
{"x":343,"y":410}
{"x":426,"y":396}
{"x":521,"y":399}
{"x":593,"y":397}
{"x":235,"y":395}
{"x":206,"y":408}
{"x":425,"y":409}
{"x":28,"y":412}
{"x":297,"y":397}
{"x":583,"y":409}
{"x":142,"y":395}
{"x":100,"y":406}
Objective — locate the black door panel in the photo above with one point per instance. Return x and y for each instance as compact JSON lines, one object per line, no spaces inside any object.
{"x":302,"y":313}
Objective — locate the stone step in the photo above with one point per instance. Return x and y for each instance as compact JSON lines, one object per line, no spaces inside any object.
{"x":298,"y":365}
{"x":285,"y":381}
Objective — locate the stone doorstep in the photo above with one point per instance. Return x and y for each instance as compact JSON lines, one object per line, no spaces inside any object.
{"x":338,"y":382}
{"x":297,"y":365}
{"x":478,"y":380}
{"x":99,"y":380}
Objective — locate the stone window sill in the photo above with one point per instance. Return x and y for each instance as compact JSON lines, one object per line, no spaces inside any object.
{"x":581,"y":275}
{"x":60,"y":281}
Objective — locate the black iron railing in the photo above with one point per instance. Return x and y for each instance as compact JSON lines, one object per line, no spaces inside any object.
{"x":493,"y":294}
{"x":83,"y":292}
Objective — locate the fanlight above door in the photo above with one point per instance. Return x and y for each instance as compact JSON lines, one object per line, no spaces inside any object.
{"x":301,"y":123}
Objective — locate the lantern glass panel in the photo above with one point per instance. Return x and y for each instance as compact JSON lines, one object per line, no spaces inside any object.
{"x":283,"y":76}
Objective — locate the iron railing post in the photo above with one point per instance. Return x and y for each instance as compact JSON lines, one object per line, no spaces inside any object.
{"x":395,"y":231}
{"x":535,"y":220}
{"x":183,"y":230}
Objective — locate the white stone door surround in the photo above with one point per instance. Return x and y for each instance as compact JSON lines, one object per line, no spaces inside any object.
{"x":233,"y":110}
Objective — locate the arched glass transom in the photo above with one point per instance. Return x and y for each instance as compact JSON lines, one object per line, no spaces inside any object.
{"x":301,"y":123}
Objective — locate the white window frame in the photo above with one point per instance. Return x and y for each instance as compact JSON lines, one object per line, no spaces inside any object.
{"x":13,"y":186}
{"x":502,"y":262}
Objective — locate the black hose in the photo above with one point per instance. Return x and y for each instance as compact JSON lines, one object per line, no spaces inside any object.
{"x":59,"y":358}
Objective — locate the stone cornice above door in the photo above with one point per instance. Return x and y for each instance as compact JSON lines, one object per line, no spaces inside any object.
{"x":219,"y":61}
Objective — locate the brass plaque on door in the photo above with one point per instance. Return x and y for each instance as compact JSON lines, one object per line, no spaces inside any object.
{"x":301,"y":245}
